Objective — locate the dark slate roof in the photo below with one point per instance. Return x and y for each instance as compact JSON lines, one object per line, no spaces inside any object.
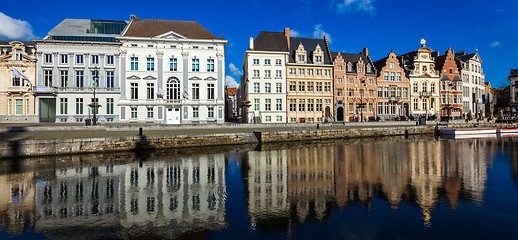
{"x":463,"y":56}
{"x":445,"y":78}
{"x":156,"y":27}
{"x":456,"y":78}
{"x":271,"y":41}
{"x":439,"y":62}
{"x":380,"y":64}
{"x":309,"y":45}
{"x":354,"y":58}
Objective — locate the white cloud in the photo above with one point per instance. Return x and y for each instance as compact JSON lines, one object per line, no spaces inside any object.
{"x":495,"y":44}
{"x":343,"y":6}
{"x":320,"y":33}
{"x":14,"y":29}
{"x":235,"y":71}
{"x":231,"y":82}
{"x":294,"y":33}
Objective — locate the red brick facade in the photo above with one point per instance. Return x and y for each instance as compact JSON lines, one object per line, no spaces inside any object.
{"x":450,"y":86}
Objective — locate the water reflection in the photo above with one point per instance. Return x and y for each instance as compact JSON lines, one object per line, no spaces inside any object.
{"x":181,"y":194}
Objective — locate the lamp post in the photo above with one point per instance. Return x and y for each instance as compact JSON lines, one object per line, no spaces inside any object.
{"x":30,"y":86}
{"x":362,"y":82}
{"x":95,"y":107}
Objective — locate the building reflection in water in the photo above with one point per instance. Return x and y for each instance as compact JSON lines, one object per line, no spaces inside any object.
{"x":163,"y":198}
{"x":421,"y":173}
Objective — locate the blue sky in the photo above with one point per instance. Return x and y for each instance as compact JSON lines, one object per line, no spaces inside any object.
{"x":380,"y":25}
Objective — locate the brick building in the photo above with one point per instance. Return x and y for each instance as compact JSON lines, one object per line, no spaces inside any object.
{"x":450,"y":85}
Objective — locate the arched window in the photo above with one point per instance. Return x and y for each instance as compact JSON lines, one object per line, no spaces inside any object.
{"x":173,"y":88}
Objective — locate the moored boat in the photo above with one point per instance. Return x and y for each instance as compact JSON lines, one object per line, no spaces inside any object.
{"x":470,"y":131}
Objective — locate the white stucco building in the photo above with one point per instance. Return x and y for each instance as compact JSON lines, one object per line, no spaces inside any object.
{"x":76,"y":54}
{"x":264,"y":79}
{"x":473,"y":77}
{"x":173,"y":72}
{"x":424,"y":81}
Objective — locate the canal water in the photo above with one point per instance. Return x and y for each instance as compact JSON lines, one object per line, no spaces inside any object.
{"x":389,"y":188}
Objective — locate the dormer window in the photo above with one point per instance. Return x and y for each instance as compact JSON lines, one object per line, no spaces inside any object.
{"x":300,"y":54}
{"x":349,"y":67}
{"x":368,"y":68}
{"x":318,"y":54}
{"x":18,"y":54}
{"x":392,"y":65}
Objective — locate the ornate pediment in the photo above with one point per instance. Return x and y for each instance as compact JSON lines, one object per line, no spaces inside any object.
{"x":133,"y":77}
{"x":171,"y":35}
{"x":210,"y":79}
{"x":195,"y":78}
{"x":149,"y":78}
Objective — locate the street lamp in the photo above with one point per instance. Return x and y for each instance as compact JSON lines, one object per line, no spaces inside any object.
{"x":95,"y":107}
{"x":362,"y":82}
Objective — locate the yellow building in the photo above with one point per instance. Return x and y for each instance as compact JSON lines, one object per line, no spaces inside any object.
{"x":16,"y":201}
{"x":16,"y":98}
{"x":309,"y":79}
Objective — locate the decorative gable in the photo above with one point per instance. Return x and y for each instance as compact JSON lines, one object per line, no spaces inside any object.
{"x":133,"y":77}
{"x":210,"y":79}
{"x":318,"y":55}
{"x":171,"y":35}
{"x":149,"y":78}
{"x":195,"y":78}
{"x":300,"y":54}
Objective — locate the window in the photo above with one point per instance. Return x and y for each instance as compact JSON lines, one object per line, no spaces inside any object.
{"x":392,"y":92}
{"x":110,"y":82}
{"x":256,"y":73}
{"x":398,"y":92}
{"x":318,"y":59}
{"x":210,"y":91}
{"x":380,"y":92}
{"x":267,"y":74}
{"x":95,"y":59}
{"x":319,"y":86}
{"x":79,"y":106}
{"x":150,"y":90}
{"x":279,"y":118}
{"x":302,"y":105}
{"x":351,"y":80}
{"x":80,"y":78}
{"x":134,"y":63}
{"x":311,"y":86}
{"x":392,"y":65}
{"x":95,"y":78}
{"x":109,"y":106}
{"x":293,"y":105}
{"x":19,"y":106}
{"x":279,"y":105}
{"x":311,"y":105}
{"x":9,"y":107}
{"x":196,"y":91}
{"x":256,"y":87}
{"x":432,"y":87}
{"x":327,"y":86}
{"x":195,"y":112}
{"x":405,"y":92}
{"x":48,"y":58}
{"x":27,"y":106}
{"x":278,"y":62}
{"x":256,"y":61}
{"x":134,"y":90}
{"x":268,"y":87}
{"x":266,"y":61}
{"x":173,"y":88}
{"x":349,"y":67}
{"x":278,"y":87}
{"x":380,"y":108}
{"x":293,"y":86}
{"x":268,"y":118}
{"x":386,"y":76}
{"x":256,"y":104}
{"x":386,"y":92}
{"x":173,"y":64}
{"x":150,"y":112}
{"x":63,"y":106}
{"x":150,"y":64}
{"x":424,"y":104}
{"x":371,"y":93}
{"x":133,"y":112}
{"x":210,"y":65}
{"x":399,"y":77}
{"x":47,"y":77}
{"x":392,"y":76}
{"x":64,"y":59}
{"x":210,"y":112}
{"x":195,"y":65}
{"x":278,"y":74}
{"x":319,"y":105}
{"x":302,"y":86}
{"x":351,"y":107}
{"x":268,"y":104}
{"x":310,"y":72}
{"x":64,"y":78}
{"x":415,"y":87}
{"x":109,"y":60}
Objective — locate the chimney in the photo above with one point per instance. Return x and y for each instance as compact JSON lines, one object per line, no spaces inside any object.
{"x":287,"y":35}
{"x":133,"y":17}
{"x":251,"y":45}
{"x":365,"y":52}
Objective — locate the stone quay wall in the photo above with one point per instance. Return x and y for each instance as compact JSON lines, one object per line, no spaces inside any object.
{"x":26,"y":148}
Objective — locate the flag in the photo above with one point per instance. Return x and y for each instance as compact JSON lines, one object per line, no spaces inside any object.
{"x":161,"y":93}
{"x":185,"y":94}
{"x":19,"y":74}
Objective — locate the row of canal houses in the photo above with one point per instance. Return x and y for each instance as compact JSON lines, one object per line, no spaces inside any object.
{"x":297,"y":80}
{"x":173,"y":72}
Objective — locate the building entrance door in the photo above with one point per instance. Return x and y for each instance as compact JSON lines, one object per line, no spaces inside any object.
{"x":340,"y":114}
{"x":328,"y":112}
{"x":47,"y":110}
{"x":172,"y":116}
